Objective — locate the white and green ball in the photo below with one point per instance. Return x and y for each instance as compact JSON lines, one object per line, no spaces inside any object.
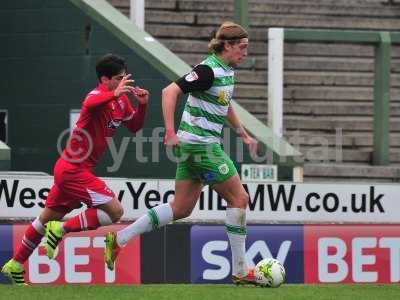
{"x":269,"y":272}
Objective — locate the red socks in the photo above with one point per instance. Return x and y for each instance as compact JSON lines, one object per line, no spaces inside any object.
{"x":33,"y":236}
{"x":90,"y":219}
{"x":86,"y":220}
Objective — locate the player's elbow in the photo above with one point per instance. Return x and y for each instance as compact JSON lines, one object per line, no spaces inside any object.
{"x":164,"y":94}
{"x":165,"y":91}
{"x":170,"y":92}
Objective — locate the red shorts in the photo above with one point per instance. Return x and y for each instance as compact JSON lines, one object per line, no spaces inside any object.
{"x":73,"y":185}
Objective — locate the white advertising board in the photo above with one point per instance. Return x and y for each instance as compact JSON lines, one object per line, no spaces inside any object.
{"x":269,"y":202}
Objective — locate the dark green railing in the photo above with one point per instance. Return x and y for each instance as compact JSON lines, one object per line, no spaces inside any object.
{"x":382,"y":42}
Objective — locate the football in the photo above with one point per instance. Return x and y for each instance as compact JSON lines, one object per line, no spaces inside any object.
{"x":269,"y":272}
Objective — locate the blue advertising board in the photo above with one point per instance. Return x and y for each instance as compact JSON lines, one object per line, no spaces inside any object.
{"x":6,"y":247}
{"x":211,"y":254}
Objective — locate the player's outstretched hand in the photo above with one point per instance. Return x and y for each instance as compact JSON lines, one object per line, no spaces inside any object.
{"x":141,"y":95}
{"x":123,"y":86}
{"x":251,"y":143}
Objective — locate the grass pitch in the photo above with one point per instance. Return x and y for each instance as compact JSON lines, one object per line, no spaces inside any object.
{"x":200,"y":292}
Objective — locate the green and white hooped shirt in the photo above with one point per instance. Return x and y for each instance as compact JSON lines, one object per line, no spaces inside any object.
{"x":206,"y":110}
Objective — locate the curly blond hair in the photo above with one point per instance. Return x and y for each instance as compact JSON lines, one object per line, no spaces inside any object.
{"x":229,"y":32}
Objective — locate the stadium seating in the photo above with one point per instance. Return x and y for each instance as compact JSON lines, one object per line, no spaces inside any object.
{"x":327,"y":86}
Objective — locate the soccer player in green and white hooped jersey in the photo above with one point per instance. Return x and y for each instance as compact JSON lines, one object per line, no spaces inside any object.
{"x":210,"y":86}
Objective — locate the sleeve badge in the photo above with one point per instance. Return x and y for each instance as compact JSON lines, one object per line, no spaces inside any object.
{"x":192,"y":76}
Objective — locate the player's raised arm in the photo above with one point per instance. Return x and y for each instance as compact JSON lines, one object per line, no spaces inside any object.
{"x":97,"y":98}
{"x":135,"y":119}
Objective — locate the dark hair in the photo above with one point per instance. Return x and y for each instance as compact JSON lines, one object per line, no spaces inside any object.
{"x":110,"y":65}
{"x":229,"y":32}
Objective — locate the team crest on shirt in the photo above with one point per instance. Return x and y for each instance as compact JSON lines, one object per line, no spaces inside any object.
{"x":192,"y":76}
{"x":114,"y":124}
{"x":223,"y":169}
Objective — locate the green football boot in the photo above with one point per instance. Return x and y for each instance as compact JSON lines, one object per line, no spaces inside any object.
{"x":15,"y":271}
{"x":54,"y":234}
{"x":111,"y":250}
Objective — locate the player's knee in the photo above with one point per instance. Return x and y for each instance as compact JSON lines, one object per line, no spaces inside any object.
{"x":120,"y":212}
{"x":242,"y":200}
{"x":182,"y":213}
{"x":117,"y":214}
